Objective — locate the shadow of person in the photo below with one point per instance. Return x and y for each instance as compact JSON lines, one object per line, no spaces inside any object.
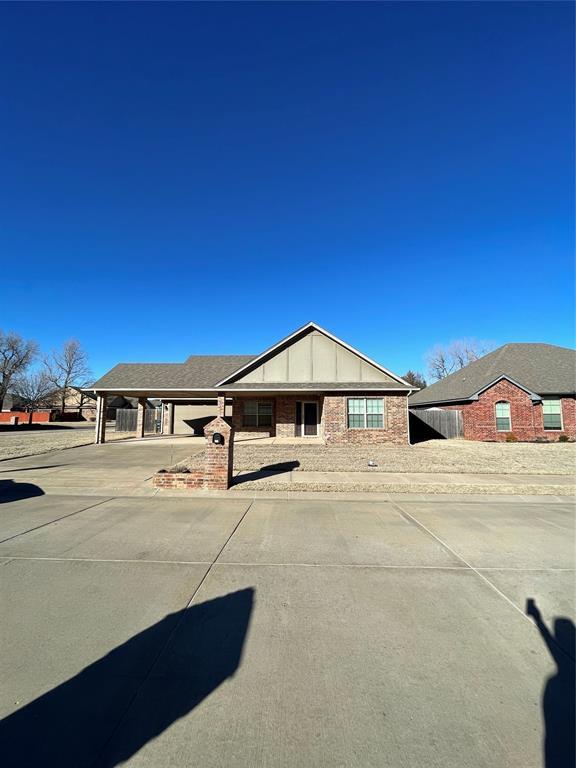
{"x":112,"y":708}
{"x":10,"y":490}
{"x":558,"y":699}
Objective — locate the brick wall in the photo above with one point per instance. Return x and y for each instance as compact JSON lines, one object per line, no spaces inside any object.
{"x":526,"y":416}
{"x":332,"y":416}
{"x":336,"y":419}
{"x":194,"y":479}
{"x":218,"y":464}
{"x":38,"y":417}
{"x":238,"y":418}
{"x":286,"y":413}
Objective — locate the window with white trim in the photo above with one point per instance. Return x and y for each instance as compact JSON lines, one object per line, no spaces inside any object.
{"x":552,"y":414}
{"x":503,"y":420}
{"x":257,"y":413}
{"x":365,"y":413}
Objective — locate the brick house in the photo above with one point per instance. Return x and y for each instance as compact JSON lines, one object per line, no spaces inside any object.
{"x":525,"y":390}
{"x":308,"y":385}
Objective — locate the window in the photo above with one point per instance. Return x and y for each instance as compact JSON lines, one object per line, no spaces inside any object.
{"x":257,"y":413}
{"x":552,"y":414}
{"x":365,"y":413}
{"x":503,"y":423}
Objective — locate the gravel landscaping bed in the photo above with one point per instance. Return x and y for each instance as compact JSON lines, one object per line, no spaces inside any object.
{"x":434,"y":488}
{"x":453,"y":456}
{"x":14,"y":445}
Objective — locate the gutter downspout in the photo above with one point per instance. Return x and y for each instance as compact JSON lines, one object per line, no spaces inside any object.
{"x":408,"y":414}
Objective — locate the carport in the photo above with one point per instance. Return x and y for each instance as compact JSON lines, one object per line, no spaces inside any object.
{"x":170,"y":401}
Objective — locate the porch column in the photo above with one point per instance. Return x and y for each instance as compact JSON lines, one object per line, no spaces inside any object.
{"x":140,"y":417}
{"x":168,"y":428}
{"x":101,"y":410}
{"x":222,"y":405}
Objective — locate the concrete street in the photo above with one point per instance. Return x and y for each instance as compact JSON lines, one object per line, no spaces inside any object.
{"x":224,"y":630}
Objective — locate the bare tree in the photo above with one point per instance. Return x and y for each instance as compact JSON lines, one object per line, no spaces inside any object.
{"x":415,"y":378}
{"x":16,"y":354}
{"x":445,"y":359}
{"x":34,"y":389}
{"x":67,"y":368}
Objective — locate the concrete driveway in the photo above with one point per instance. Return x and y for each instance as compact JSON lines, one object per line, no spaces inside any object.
{"x":123,"y":467}
{"x":270,"y":632}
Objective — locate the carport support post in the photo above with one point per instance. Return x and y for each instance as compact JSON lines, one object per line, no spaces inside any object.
{"x":140,"y":422}
{"x":168,"y":419}
{"x":101,"y":411}
{"x":222,"y":405}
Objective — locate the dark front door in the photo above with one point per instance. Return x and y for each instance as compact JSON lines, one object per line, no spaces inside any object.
{"x":310,"y":419}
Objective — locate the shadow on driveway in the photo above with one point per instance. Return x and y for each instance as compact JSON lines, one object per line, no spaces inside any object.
{"x":10,"y":490}
{"x":85,"y":720}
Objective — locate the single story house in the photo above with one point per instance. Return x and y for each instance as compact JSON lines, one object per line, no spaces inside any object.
{"x":308,"y":385}
{"x":525,"y":390}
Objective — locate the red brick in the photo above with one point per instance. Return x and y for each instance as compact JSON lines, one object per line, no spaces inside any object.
{"x":479,"y":416}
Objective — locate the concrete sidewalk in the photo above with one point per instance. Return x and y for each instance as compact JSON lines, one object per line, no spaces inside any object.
{"x":373,"y":482}
{"x":404,"y":478}
{"x":126,"y":469}
{"x":246,"y":632}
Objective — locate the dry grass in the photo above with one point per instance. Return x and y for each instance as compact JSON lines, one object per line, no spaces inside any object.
{"x":16,"y":444}
{"x":451,"y":456}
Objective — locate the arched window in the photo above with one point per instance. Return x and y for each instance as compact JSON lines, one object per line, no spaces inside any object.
{"x":503,"y":421}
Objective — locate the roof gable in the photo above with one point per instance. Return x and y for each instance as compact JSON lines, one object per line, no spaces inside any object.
{"x":312,"y":355}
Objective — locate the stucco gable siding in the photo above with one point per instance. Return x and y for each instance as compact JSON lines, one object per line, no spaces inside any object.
{"x":315,"y":358}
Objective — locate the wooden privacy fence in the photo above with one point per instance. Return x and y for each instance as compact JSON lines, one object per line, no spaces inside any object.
{"x":127,"y":419}
{"x":434,"y":423}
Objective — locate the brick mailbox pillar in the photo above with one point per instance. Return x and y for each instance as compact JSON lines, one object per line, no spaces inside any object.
{"x":219,"y":455}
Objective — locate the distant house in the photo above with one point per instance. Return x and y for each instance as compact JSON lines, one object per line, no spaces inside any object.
{"x":528,"y":390}
{"x":308,"y":385}
{"x":12,"y":402}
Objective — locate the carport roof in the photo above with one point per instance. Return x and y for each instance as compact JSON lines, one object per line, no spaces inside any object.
{"x":543,"y":369}
{"x":198,"y":372}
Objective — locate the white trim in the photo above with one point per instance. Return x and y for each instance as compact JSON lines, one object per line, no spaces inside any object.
{"x":319,"y":390}
{"x":121,"y":390}
{"x":559,"y":399}
{"x":474,"y":395}
{"x":232,"y":392}
{"x":312,"y":326}
{"x":533,"y":395}
{"x":509,"y":417}
{"x":302,"y":422}
{"x":366,"y":427}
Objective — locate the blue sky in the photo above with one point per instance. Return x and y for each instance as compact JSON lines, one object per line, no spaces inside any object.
{"x":205,"y":178}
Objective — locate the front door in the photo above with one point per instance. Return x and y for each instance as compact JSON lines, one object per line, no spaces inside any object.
{"x":310,"y":420}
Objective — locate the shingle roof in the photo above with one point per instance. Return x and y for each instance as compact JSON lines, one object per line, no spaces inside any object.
{"x":198,"y":372}
{"x":544,"y":369}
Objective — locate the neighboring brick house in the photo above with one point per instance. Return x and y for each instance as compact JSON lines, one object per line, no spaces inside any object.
{"x":524,"y":390}
{"x":309,"y":385}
